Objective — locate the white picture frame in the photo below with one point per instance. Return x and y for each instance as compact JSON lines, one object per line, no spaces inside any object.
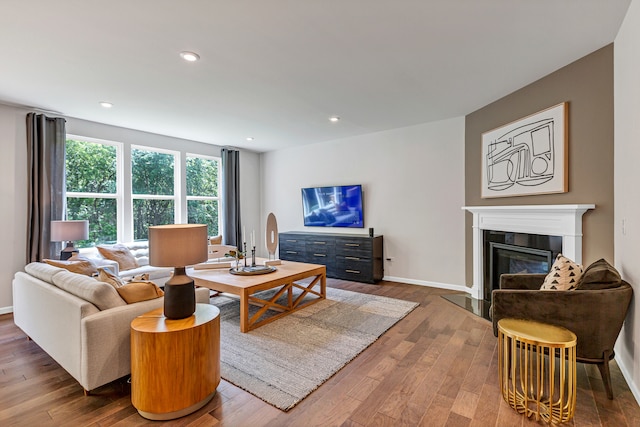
{"x":528,"y":156}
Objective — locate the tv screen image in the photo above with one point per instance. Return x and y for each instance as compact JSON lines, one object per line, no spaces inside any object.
{"x":337,"y":206}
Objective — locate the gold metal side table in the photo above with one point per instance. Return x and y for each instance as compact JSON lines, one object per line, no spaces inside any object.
{"x":537,"y":369}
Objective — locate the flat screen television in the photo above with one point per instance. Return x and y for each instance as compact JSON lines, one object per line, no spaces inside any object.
{"x":338,"y":206}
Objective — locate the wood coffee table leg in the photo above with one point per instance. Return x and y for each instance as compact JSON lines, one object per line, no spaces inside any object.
{"x":244,"y":311}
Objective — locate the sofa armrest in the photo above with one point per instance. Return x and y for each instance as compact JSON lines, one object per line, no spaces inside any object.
{"x":521,"y":281}
{"x":51,"y":318}
{"x":112,"y":265}
{"x":95,"y":257}
{"x":107,"y":338}
{"x":106,"y":343}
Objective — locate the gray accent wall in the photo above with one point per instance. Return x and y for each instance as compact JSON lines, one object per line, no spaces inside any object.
{"x":587,"y":85}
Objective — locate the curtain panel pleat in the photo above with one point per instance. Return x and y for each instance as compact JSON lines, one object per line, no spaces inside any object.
{"x":46,"y":183}
{"x":231,"y":224}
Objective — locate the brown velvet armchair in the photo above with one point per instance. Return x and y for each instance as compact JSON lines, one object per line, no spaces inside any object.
{"x":594,"y":315}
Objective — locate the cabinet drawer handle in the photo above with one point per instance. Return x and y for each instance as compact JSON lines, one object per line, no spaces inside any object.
{"x":319,"y":243}
{"x":292,"y":252}
{"x":352,"y":244}
{"x":291,"y":241}
{"x":353,"y":271}
{"x":352,"y":257}
{"x":319,"y":255}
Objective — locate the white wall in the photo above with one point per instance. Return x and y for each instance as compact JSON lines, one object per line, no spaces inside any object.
{"x":13,"y":192}
{"x":413,"y":183}
{"x":627,"y":176}
{"x":13,"y":180}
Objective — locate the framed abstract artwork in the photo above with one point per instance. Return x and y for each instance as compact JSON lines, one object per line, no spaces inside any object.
{"x":528,"y":156}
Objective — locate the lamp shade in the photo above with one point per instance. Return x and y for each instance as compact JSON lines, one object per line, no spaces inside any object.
{"x":178,"y":245}
{"x":64,"y":231}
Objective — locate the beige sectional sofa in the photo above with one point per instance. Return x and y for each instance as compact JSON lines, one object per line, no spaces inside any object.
{"x":82,"y":323}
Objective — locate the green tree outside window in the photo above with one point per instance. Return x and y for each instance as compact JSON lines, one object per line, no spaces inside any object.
{"x":92,"y":189}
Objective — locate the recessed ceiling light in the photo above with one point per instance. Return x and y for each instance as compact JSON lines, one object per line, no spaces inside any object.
{"x":106,"y":104}
{"x":334,"y":119}
{"x":189,"y":56}
{"x":249,"y":138}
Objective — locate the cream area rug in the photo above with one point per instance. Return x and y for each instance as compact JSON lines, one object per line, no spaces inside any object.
{"x":284,"y":361}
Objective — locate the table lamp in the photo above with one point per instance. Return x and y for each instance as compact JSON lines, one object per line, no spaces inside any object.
{"x":69,"y":231}
{"x":177,"y":246}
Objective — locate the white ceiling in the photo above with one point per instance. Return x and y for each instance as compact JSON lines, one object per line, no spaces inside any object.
{"x":276,"y":70}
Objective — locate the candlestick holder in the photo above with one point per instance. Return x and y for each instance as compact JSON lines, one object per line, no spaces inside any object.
{"x":253,"y":257}
{"x":245,"y":253}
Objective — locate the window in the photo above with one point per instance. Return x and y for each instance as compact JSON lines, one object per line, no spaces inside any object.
{"x":203,"y":191}
{"x":92,"y":188}
{"x":153,"y":190}
{"x":120,"y":207}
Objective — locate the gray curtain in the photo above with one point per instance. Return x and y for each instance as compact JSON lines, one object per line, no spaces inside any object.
{"x":46,"y":192}
{"x":231,"y":226}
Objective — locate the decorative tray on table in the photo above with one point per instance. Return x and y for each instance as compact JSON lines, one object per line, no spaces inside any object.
{"x":250,"y":271}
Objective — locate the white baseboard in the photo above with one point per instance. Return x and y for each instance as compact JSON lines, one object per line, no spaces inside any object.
{"x":6,"y":310}
{"x":449,"y":286}
{"x":626,"y":373}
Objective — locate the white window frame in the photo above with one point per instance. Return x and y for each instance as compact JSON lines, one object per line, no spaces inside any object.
{"x":206,"y":198}
{"x":124,"y":192}
{"x":177,"y":186}
{"x":118,"y":195}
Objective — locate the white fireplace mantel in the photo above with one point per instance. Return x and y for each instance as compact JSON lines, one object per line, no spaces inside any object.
{"x":551,"y":220}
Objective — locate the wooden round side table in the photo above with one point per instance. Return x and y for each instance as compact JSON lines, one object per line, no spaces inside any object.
{"x":537,"y":369}
{"x":175,"y":364}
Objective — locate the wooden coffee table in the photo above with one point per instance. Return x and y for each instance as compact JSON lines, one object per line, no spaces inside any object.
{"x":285,"y":279}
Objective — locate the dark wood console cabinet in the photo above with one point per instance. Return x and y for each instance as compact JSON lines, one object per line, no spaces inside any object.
{"x":347,"y":256}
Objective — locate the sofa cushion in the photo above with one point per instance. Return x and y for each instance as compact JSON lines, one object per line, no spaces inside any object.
{"x":599,"y":275}
{"x":100,"y":294}
{"x":80,"y":266}
{"x":140,"y":251}
{"x":153,"y":272}
{"x":42,"y":271}
{"x":121,"y":254}
{"x":563,"y":276}
{"x":139,"y":291}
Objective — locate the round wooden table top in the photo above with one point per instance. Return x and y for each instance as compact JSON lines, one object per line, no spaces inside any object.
{"x":537,"y":333}
{"x":154,"y":321}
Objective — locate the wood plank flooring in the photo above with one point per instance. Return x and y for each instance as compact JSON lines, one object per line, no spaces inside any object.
{"x":436,"y":367}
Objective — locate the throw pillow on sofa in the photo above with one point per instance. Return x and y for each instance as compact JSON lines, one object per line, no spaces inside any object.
{"x":599,"y":275}
{"x":120,"y":254}
{"x":563,"y":276}
{"x":105,"y":275}
{"x":139,"y":291}
{"x":144,"y":277}
{"x":80,"y":266}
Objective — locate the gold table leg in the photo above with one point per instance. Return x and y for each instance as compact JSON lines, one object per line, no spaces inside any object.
{"x":537,"y":369}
